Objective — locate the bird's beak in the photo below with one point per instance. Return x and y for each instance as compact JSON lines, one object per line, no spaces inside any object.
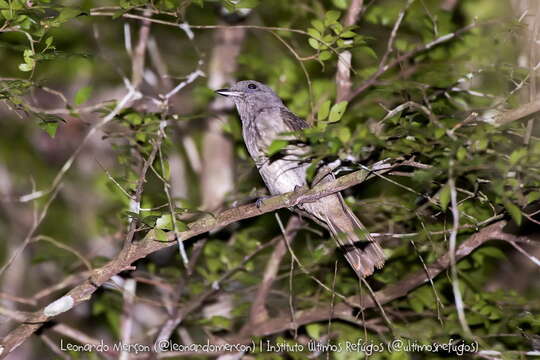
{"x":227,"y":92}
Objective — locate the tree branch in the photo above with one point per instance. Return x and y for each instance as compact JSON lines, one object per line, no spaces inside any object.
{"x":343,"y":74}
{"x":521,"y":112}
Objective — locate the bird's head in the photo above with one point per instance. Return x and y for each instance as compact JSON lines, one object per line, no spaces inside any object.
{"x":250,"y":92}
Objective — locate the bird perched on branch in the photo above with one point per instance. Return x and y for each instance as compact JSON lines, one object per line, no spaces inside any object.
{"x":265,"y":118}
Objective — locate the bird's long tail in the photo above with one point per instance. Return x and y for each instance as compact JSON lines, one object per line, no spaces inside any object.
{"x":362,"y":252}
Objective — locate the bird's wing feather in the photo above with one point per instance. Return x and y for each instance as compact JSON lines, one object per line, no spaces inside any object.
{"x":292,"y":121}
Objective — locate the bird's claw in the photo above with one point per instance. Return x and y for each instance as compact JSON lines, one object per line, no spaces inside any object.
{"x":260,"y":201}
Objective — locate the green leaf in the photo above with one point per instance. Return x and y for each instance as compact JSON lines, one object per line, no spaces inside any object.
{"x":340,"y":4}
{"x":314,"y":43}
{"x":461,"y":153}
{"x":314,"y":330}
{"x":439,"y":133}
{"x":347,"y":34}
{"x":324,"y":110}
{"x":160,"y":235}
{"x":331,"y":17}
{"x":368,"y":51}
{"x":314,"y":33}
{"x":444,"y":197}
{"x":25,"y":67}
{"x":325,"y":55}
{"x":276,"y":146}
{"x":49,"y":41}
{"x":337,"y":28}
{"x":514,"y":211}
{"x":517,"y":155}
{"x":82,"y":95}
{"x":319,"y":25}
{"x":533,"y":196}
{"x":164,"y":222}
{"x":337,"y":111}
{"x":134,"y":118}
{"x":49,"y":127}
{"x":247,"y":4}
{"x":67,"y":14}
{"x":344,"y":134}
{"x":198,"y":2}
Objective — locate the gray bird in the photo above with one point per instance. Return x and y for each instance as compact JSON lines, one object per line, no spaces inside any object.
{"x":264,"y":119}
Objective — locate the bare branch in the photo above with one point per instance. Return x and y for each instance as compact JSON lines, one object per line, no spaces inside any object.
{"x":343,"y":74}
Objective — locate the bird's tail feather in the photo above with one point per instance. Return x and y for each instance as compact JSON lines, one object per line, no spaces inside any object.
{"x":361,"y":251}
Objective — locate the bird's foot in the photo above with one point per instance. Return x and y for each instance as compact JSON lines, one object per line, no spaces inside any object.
{"x":260,"y":201}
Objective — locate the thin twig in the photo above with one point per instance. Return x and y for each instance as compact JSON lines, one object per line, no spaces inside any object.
{"x":452,"y":251}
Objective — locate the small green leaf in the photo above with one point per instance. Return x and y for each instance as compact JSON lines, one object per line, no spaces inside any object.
{"x":67,"y":14}
{"x":276,"y":146}
{"x":439,"y":133}
{"x":314,"y":43}
{"x":337,"y":28}
{"x":134,"y":118}
{"x":340,"y":4}
{"x":344,"y":134}
{"x":337,"y":111}
{"x":444,"y":197}
{"x":164,"y":222}
{"x":331,"y":17}
{"x":518,"y":155}
{"x":314,"y":330}
{"x":329,"y":39}
{"x":533,"y":196}
{"x":514,"y":211}
{"x":324,"y":110}
{"x":318,"y":24}
{"x":25,"y":67}
{"x":49,"y":127}
{"x":325,"y":55}
{"x":27,"y":54}
{"x":160,"y":235}
{"x":368,"y":51}
{"x":347,"y":34}
{"x":461,"y":153}
{"x":482,"y":144}
{"x":314,"y":33}
{"x":247,"y":4}
{"x":82,"y":95}
{"x":49,"y":41}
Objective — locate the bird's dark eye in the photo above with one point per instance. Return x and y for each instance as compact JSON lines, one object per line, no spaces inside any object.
{"x":252,"y":86}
